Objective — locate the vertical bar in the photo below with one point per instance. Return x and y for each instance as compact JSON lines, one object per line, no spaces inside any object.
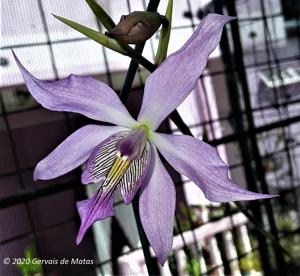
{"x":277,"y":91}
{"x":181,"y":263}
{"x":244,"y":144}
{"x":244,"y":242}
{"x":231,"y":254}
{"x":238,"y":54}
{"x":216,"y":258}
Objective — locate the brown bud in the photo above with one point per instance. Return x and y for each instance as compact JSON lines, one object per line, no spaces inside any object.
{"x":136,"y":27}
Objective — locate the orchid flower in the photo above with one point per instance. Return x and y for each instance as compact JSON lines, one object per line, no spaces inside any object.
{"x":126,"y":156}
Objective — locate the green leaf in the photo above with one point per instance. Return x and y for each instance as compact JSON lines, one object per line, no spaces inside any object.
{"x":164,"y":38}
{"x":101,"y":14}
{"x":108,"y":42}
{"x":94,"y":35}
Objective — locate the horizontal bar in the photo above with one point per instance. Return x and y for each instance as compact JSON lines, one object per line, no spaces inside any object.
{"x":31,"y":194}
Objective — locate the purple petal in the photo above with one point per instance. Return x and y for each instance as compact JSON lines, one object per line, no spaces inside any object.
{"x":84,"y":95}
{"x":98,"y":207}
{"x":201,"y":163}
{"x":136,"y":174}
{"x":101,"y":159}
{"x":157,"y":208}
{"x":175,"y":78}
{"x":74,"y":151}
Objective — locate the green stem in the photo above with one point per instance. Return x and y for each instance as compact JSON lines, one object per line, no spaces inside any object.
{"x":137,"y":57}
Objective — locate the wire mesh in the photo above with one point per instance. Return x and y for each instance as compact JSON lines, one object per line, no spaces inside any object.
{"x":245,"y":104}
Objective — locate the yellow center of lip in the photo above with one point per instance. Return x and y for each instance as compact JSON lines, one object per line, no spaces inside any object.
{"x":118,"y":169}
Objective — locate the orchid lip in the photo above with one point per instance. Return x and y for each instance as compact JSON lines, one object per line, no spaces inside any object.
{"x":133,"y":144}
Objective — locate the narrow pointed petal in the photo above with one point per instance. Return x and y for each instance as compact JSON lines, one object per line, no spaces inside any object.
{"x":102,"y":159}
{"x":176,"y":77}
{"x":157,"y":208}
{"x":74,"y":151}
{"x":84,"y":95}
{"x":98,"y":207}
{"x":136,"y":174}
{"x":201,"y":163}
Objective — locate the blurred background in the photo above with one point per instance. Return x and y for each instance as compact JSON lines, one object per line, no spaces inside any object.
{"x":247,"y":104}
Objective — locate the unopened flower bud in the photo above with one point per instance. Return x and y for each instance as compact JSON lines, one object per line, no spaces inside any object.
{"x":137,"y":27}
